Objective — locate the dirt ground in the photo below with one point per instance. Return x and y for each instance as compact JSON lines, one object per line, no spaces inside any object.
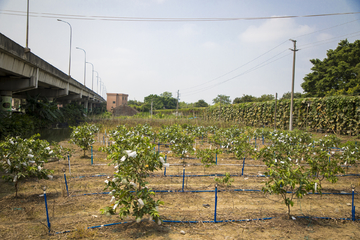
{"x":24,"y":217}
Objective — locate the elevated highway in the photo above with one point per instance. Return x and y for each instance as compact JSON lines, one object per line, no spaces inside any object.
{"x":23,"y":73}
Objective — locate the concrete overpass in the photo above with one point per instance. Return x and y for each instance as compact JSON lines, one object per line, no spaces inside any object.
{"x":22,"y":73}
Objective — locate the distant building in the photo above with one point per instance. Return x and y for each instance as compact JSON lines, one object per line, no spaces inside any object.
{"x":116,"y":99}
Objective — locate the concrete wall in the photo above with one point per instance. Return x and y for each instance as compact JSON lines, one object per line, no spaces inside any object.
{"x":116,"y":99}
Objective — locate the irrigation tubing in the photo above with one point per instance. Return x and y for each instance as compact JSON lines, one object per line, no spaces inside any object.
{"x":217,"y":221}
{"x":209,"y":175}
{"x":219,"y":190}
{"x":174,"y":221}
{"x":327,"y":218}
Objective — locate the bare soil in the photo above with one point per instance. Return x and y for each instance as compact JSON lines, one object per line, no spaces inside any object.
{"x":24,"y":217}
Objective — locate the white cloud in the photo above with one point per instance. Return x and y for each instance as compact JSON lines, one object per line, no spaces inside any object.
{"x":187,"y":30}
{"x":323,"y":36}
{"x":274,"y":30}
{"x":209,"y":45}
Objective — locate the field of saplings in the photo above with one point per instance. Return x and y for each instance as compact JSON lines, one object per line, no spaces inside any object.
{"x":180,"y":181}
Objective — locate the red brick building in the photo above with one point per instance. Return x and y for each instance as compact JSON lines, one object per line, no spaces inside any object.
{"x":116,"y":99}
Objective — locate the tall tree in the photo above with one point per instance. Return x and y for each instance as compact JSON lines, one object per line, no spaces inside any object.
{"x":164,"y":101}
{"x":201,"y":103}
{"x":222,"y":99}
{"x":266,"y":97}
{"x":288,"y":95}
{"x":337,"y":73}
{"x":244,"y":99}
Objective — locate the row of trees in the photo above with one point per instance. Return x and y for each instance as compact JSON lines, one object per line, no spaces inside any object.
{"x":223,"y":99}
{"x":163,"y":101}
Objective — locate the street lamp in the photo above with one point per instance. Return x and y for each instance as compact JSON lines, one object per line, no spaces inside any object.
{"x":70,"y":42}
{"x":97,"y":80}
{"x":27,"y":49}
{"x":92,"y":81}
{"x":84,"y":64}
{"x":98,"y":86}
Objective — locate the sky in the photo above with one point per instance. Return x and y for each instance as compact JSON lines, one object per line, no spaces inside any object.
{"x":199,"y":48}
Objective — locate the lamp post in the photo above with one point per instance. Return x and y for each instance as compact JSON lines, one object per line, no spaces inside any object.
{"x":70,"y":42}
{"x":99,"y":86}
{"x":27,"y":49}
{"x":97,"y":80}
{"x":92,"y":77}
{"x":84,"y":64}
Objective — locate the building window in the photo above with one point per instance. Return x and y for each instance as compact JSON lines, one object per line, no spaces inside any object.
{"x":114,"y":102}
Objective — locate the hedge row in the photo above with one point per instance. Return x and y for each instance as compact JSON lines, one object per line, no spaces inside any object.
{"x":332,"y":114}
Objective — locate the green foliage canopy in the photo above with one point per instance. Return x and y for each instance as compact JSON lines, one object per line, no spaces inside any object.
{"x":222,"y":99}
{"x":337,"y":74}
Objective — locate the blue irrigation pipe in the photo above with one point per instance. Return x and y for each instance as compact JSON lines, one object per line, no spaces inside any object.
{"x":92,"y":158}
{"x":353,"y":206}
{"x":66,"y":184}
{"x":175,"y":221}
{"x":69,"y":165}
{"x":216,"y":158}
{"x":327,"y":218}
{"x":242,"y":171}
{"x":221,"y":221}
{"x":183,"y":178}
{"x":47,"y":213}
{"x":202,"y":191}
{"x":215,"y":203}
{"x":165,"y":167}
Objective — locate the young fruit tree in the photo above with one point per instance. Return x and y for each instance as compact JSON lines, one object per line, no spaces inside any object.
{"x":287,"y":177}
{"x":133,"y":158}
{"x":208,"y":156}
{"x":84,"y":136}
{"x":24,"y":158}
{"x":324,"y":161}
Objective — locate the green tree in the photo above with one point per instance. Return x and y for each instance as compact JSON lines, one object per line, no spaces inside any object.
{"x":42,"y":109}
{"x":288,"y":95}
{"x":244,"y":99}
{"x":266,"y":97}
{"x":23,"y":158}
{"x":164,"y":101}
{"x":134,"y":159}
{"x":183,"y":105}
{"x":201,"y":103}
{"x":337,"y":73}
{"x":84,"y":136}
{"x":222,"y":99}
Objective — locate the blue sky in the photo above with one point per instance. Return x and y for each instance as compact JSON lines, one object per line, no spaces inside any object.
{"x":201,"y":59}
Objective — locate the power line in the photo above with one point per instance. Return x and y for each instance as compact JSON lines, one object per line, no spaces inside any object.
{"x":237,"y":67}
{"x":239,"y":75}
{"x":143,"y":19}
{"x":262,"y":64}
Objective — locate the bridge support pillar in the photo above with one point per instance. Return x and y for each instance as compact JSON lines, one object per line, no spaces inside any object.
{"x":86,"y":105}
{"x":90,"y":107}
{"x":6,"y":101}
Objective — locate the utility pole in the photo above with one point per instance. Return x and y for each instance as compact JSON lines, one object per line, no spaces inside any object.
{"x":177,"y":104}
{"x":292,"y":86}
{"x":151,"y":107}
{"x":275,"y":111}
